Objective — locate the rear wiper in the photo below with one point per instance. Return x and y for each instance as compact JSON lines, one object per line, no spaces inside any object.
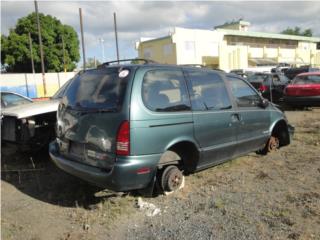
{"x":181,"y":107}
{"x":93,"y":110}
{"x":104,"y":110}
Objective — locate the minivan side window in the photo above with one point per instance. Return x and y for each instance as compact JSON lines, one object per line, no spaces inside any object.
{"x":208,"y":91}
{"x":244,"y":95}
{"x":165,"y":90}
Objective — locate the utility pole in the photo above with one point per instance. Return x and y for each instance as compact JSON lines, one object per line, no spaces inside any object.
{"x":116,"y":34}
{"x":64,"y":55}
{"x":30,"y":45}
{"x":82,"y":40}
{"x":101,"y":40}
{"x":41,"y":49}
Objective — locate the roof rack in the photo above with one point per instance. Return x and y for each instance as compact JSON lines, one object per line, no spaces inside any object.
{"x":201,"y":66}
{"x":132,"y":60}
{"x":193,"y":65}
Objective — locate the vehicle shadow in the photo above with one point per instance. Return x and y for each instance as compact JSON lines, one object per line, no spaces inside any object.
{"x":38,"y":177}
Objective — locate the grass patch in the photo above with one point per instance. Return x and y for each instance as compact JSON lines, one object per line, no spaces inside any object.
{"x":274,"y":216}
{"x":104,"y":213}
{"x":111,"y":209}
{"x":219,"y":203}
{"x":277,"y":213}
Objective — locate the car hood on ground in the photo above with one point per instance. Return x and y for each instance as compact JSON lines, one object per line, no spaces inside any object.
{"x":31,"y":109}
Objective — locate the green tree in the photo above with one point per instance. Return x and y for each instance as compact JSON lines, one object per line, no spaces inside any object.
{"x":92,"y":63}
{"x":15,"y":52}
{"x":298,"y":31}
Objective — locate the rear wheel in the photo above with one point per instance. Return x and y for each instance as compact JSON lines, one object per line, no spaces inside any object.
{"x":171,"y":179}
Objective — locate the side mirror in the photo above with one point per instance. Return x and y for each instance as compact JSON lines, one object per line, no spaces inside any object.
{"x":264,"y":103}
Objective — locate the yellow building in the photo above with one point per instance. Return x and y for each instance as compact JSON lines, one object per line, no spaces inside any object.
{"x":230,"y":46}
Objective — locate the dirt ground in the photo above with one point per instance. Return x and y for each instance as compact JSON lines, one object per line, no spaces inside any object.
{"x":253,"y":197}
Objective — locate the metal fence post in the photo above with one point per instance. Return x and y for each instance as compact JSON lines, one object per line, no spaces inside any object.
{"x":26,"y":80}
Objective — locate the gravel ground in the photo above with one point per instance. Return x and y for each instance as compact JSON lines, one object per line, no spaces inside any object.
{"x":253,"y":197}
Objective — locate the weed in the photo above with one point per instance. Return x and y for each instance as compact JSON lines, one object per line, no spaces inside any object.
{"x":219,"y":203}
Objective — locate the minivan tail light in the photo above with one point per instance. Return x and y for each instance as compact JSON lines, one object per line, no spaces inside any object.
{"x":123,"y":139}
{"x":263,"y":88}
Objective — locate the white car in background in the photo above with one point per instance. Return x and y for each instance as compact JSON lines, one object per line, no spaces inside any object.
{"x":11,"y":99}
{"x":29,"y":125}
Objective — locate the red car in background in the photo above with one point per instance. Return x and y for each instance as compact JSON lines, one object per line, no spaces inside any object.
{"x":304,"y":90}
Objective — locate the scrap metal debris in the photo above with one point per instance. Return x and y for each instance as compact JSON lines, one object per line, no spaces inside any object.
{"x":150,"y":209}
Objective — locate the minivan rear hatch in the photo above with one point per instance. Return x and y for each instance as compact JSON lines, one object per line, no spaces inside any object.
{"x":90,"y":114}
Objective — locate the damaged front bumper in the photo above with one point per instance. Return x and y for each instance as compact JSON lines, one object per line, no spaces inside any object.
{"x":28,"y":134}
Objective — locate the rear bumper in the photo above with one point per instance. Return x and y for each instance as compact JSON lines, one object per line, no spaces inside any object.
{"x":122,"y":177}
{"x":302,"y":101}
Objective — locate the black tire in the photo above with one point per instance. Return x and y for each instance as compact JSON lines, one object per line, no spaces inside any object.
{"x":171,"y":179}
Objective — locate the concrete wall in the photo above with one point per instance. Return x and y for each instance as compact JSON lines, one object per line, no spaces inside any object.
{"x":195,"y":46}
{"x":31,"y":85}
{"x":162,"y":50}
{"x":233,"y":57}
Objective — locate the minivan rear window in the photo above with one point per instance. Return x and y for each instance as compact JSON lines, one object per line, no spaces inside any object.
{"x":99,"y":89}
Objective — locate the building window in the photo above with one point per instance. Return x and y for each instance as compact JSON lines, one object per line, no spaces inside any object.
{"x":167,"y":49}
{"x":189,"y":46}
{"x":147,"y":53}
{"x":190,"y":49}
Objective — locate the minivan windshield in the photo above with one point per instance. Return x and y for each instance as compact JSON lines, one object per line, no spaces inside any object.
{"x":99,"y":89}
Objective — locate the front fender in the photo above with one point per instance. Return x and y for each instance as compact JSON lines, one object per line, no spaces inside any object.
{"x":276,"y":117}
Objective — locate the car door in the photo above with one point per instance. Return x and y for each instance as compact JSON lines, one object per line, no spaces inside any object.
{"x":213,"y":116}
{"x":254,"y":120}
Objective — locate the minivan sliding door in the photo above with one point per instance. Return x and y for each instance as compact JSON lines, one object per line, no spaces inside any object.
{"x":214,"y":127}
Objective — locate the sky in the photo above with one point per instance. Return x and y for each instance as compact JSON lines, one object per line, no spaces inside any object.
{"x":136,"y":19}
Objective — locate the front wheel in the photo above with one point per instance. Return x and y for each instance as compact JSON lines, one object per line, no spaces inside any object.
{"x":272,"y":145}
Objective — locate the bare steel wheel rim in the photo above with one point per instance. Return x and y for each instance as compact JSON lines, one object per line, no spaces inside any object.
{"x":273,"y":144}
{"x":175,"y":181}
{"x":171,"y":179}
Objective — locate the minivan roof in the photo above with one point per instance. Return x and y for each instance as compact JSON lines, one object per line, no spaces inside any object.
{"x":152,"y":63}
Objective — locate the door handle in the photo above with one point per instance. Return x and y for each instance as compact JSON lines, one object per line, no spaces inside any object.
{"x":236,"y":117}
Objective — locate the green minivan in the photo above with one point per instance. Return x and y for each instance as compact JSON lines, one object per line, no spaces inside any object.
{"x":128,"y":126}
